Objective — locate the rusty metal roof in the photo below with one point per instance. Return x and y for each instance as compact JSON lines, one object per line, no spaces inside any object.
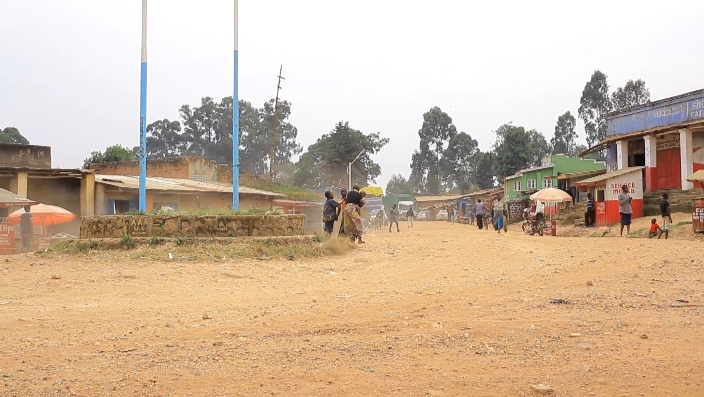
{"x":178,"y":185}
{"x":603,"y":177}
{"x":9,"y":199}
{"x":296,"y":203}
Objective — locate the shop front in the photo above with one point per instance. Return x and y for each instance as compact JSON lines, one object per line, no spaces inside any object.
{"x":605,"y":189}
{"x":666,"y":137}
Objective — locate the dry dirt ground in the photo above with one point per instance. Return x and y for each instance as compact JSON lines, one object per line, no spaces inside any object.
{"x":439,"y":310}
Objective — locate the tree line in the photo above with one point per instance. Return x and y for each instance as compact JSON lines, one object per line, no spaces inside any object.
{"x":206,"y":131}
{"x":447,"y":160}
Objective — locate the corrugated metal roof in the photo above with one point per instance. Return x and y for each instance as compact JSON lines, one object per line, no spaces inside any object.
{"x":520,"y":173}
{"x":178,"y":185}
{"x":423,"y":199}
{"x":603,"y":177}
{"x":457,"y":196}
{"x":7,"y":198}
{"x":562,"y":177}
{"x":296,"y":202}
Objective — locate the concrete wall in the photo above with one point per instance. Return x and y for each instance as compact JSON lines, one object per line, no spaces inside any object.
{"x":184,"y":202}
{"x":174,"y":167}
{"x":25,"y":155}
{"x":115,"y":226}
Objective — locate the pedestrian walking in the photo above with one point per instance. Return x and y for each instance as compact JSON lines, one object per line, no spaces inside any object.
{"x":329,"y":213}
{"x":410,"y":215}
{"x":625,"y":209}
{"x":393,"y":218}
{"x":666,"y":216}
{"x":479,"y":211}
{"x":498,"y":208}
{"x":589,"y":215}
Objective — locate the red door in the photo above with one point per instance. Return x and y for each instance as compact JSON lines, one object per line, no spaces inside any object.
{"x":669,"y":169}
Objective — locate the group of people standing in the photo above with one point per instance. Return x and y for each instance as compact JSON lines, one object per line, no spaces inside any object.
{"x":494,"y":212}
{"x":348,"y":211}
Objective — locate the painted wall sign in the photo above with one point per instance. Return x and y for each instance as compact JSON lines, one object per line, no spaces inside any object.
{"x":688,"y":107}
{"x":667,"y":145}
{"x":138,"y":227}
{"x":7,"y":236}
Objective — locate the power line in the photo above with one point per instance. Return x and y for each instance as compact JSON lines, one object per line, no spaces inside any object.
{"x":272,"y":148}
{"x":421,"y":101}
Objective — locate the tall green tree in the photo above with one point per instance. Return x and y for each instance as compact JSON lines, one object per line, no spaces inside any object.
{"x":513,"y":150}
{"x":325,"y":162}
{"x":397,"y":184}
{"x":206,"y":130}
{"x":13,"y":136}
{"x":435,"y":134}
{"x":634,"y":93}
{"x":595,"y":104}
{"x":539,"y":147}
{"x":256,"y":144}
{"x":114,"y":153}
{"x":485,"y":170}
{"x":164,"y":139}
{"x":459,"y":162}
{"x":565,"y":137}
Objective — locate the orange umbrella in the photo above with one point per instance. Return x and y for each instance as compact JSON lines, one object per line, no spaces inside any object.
{"x":44,"y":215}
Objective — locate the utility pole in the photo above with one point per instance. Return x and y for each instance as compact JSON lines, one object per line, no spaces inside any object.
{"x":272,"y":148}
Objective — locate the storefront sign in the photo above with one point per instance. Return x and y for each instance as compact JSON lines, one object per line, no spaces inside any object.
{"x":667,"y":145}
{"x":616,"y":188}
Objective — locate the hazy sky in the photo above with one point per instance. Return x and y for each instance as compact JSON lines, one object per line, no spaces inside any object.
{"x":69,"y":69}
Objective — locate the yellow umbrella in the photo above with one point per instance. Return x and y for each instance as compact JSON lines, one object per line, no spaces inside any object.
{"x":551,"y":195}
{"x":373,"y":190}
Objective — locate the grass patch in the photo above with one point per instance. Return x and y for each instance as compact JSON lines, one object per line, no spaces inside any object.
{"x":128,"y":241}
{"x":185,"y":249}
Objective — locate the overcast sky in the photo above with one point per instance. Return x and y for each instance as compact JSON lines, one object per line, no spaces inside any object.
{"x":69,"y":69}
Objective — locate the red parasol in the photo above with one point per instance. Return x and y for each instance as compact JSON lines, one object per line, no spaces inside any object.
{"x":44,"y":215}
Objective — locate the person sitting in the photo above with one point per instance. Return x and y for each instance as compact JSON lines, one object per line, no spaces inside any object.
{"x":655,"y":229}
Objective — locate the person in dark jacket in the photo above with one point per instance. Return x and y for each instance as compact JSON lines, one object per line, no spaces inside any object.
{"x":589,"y":218}
{"x":27,"y":229}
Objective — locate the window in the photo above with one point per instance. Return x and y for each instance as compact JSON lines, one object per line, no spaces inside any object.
{"x":517,"y":186}
{"x":530,"y":184}
{"x":547,"y":183}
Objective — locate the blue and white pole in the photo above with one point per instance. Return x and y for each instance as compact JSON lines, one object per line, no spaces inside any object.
{"x":143,"y":116}
{"x":235,"y":131}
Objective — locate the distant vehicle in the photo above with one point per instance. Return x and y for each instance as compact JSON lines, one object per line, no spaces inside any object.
{"x":423,"y":216}
{"x":403,"y":207}
{"x":441,"y":215}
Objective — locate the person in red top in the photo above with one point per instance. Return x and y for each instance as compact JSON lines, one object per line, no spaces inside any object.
{"x":655,"y":229}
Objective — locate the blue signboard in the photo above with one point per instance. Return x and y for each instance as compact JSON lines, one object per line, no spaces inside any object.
{"x":684,"y":108}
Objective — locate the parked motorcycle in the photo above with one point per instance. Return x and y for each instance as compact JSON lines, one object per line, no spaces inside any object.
{"x":534,"y":224}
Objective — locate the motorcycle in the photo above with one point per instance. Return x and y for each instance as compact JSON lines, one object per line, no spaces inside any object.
{"x":534,"y":224}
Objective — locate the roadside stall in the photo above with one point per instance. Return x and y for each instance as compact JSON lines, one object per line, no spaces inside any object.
{"x":551,"y":196}
{"x":605,"y":189}
{"x":697,"y":203}
{"x":44,"y":216}
{"x":9,"y":201}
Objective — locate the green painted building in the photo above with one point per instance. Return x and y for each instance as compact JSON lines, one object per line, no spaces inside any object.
{"x":556,"y":170}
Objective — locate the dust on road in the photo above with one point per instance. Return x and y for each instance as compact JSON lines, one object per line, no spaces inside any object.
{"x":439,"y":310}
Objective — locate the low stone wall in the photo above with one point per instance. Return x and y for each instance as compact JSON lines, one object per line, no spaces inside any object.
{"x":114,"y":226}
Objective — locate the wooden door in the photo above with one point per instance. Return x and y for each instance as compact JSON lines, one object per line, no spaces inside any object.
{"x":669,"y":169}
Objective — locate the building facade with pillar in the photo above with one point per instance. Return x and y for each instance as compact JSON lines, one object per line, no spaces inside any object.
{"x":666,"y":137}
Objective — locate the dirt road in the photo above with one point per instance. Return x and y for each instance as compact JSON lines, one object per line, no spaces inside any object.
{"x":439,"y":310}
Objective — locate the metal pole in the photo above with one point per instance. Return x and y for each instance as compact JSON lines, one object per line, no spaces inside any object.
{"x":143,"y":116}
{"x":349,"y":175}
{"x":236,"y":130}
